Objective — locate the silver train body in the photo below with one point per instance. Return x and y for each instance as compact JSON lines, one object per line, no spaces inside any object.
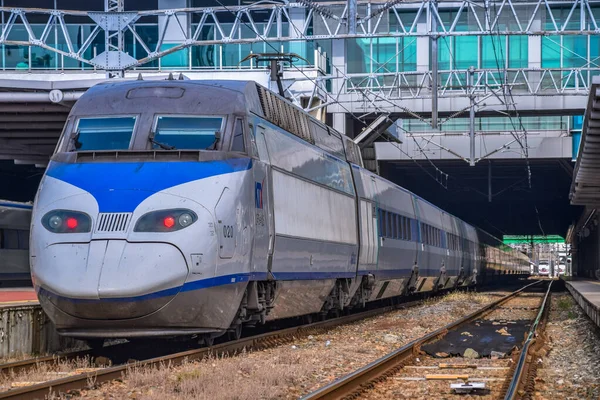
{"x":15,"y":221}
{"x":274,"y":218}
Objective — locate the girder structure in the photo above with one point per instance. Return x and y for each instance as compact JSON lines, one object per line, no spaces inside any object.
{"x":304,"y":21}
{"x":390,"y":90}
{"x":394,"y":92}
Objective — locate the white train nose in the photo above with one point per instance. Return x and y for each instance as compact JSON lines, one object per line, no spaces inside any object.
{"x":114,"y":279}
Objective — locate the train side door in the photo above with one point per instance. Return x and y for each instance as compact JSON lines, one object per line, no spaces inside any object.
{"x":373,"y":224}
{"x":264,"y":237}
{"x":419,"y":259}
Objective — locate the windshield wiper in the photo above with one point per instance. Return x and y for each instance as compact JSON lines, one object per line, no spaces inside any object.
{"x":213,"y":146}
{"x":161,"y":145}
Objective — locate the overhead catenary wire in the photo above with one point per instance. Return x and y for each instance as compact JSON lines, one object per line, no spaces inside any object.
{"x":512,"y":100}
{"x":516,"y":111}
{"x":339,"y":103}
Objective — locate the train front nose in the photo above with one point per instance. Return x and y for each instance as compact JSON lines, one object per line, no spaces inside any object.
{"x":111,"y":279}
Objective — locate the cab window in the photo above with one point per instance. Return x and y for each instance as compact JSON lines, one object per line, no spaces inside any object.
{"x":199,"y":133}
{"x":112,"y":133}
{"x":237,"y":143}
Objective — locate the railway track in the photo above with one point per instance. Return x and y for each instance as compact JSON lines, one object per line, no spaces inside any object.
{"x":508,"y":381}
{"x":100,"y":375}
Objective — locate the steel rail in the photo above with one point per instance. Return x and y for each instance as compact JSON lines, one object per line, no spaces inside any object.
{"x":22,"y":365}
{"x":523,"y":370}
{"x":355,"y":381}
{"x":106,"y":351}
{"x":81,"y":381}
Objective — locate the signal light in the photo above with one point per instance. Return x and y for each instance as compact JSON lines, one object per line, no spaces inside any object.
{"x":71,"y":223}
{"x":169,"y":222}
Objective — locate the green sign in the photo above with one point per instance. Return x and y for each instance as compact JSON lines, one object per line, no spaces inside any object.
{"x":524,"y":239}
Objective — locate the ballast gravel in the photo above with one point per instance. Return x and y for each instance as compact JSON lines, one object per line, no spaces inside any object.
{"x":571,"y":370}
{"x":294,"y":369}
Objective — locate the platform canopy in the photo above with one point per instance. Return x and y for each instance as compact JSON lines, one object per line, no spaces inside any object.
{"x":585,"y":189}
{"x":33,"y":111}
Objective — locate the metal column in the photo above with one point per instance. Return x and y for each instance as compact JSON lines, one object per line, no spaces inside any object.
{"x":490,"y":182}
{"x":113,"y":41}
{"x":352,"y":14}
{"x":434,"y":67}
{"x":471,"y":116}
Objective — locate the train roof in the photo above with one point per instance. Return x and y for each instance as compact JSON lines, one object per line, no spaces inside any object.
{"x":176,"y":96}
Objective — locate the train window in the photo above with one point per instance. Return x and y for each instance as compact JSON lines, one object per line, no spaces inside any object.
{"x":393,"y":227}
{"x":401,"y":231}
{"x":408,"y":229}
{"x":237,"y":143}
{"x":174,"y":133}
{"x":23,"y":239}
{"x":10,"y":239}
{"x":386,"y":224}
{"x":104,"y":133}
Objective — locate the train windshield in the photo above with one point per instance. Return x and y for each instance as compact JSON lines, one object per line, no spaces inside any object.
{"x":112,"y":133}
{"x":186,"y":132}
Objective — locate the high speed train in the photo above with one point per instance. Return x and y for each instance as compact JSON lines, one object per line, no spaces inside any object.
{"x":196,"y":207}
{"x":15,"y":220}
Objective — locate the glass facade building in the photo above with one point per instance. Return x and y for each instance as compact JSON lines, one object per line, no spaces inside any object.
{"x":364,"y":55}
{"x":394,"y":58}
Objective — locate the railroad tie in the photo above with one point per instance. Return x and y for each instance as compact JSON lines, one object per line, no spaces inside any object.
{"x":444,"y":377}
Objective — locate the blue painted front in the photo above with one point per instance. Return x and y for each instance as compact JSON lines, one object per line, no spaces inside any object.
{"x":122,"y":186}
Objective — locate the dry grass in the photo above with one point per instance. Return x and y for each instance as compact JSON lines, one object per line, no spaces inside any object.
{"x":18,"y":357}
{"x":44,"y":372}
{"x":240,"y":377}
{"x":468,"y":297}
{"x":294,"y":369}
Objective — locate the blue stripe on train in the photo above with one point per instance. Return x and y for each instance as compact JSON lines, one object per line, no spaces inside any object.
{"x":230,"y":279}
{"x":203,"y":284}
{"x":16,"y":205}
{"x":122,"y":186}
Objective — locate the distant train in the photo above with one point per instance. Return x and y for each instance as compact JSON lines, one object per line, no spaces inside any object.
{"x":15,"y":221}
{"x":544,"y":268}
{"x":197,"y":207}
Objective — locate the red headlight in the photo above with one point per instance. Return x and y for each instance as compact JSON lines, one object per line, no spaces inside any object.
{"x":169,"y":222}
{"x":165,"y":220}
{"x":67,"y":221}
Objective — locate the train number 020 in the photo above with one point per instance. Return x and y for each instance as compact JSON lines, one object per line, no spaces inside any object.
{"x":228,"y":231}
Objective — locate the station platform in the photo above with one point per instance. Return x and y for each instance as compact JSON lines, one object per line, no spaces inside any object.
{"x":587,"y":295}
{"x":17,"y":296}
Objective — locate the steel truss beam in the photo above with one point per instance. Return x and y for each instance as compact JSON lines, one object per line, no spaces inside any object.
{"x":323,"y":21}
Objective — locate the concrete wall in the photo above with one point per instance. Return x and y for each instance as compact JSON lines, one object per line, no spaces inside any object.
{"x":27,"y":330}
